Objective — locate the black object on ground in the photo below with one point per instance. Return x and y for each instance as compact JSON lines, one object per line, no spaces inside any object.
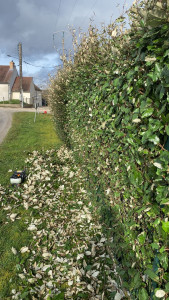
{"x":18,"y":177}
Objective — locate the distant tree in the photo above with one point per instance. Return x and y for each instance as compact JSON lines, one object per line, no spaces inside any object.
{"x":45,"y":97}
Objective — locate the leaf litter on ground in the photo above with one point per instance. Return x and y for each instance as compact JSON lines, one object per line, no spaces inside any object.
{"x":67,"y":253}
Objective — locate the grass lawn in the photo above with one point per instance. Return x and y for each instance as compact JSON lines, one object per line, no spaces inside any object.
{"x":11,"y":235}
{"x":24,"y":137}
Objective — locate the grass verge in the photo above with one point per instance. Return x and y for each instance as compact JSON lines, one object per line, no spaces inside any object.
{"x":24,"y":137}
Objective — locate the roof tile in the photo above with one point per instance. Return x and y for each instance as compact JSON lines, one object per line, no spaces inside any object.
{"x":5,"y":74}
{"x":26,"y":84}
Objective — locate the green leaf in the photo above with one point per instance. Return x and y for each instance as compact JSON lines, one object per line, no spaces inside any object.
{"x":129,"y":90}
{"x":163,"y":257}
{"x":167,"y":129}
{"x":165,"y":74}
{"x":142,"y":237}
{"x":157,"y":222}
{"x":164,"y":201}
{"x":162,"y":92}
{"x":162,"y":249}
{"x":154,"y":139}
{"x":136,"y":282}
{"x":165,"y":226}
{"x":167,"y":287}
{"x":143,"y":295}
{"x":152,"y":275}
{"x":153,"y":76}
{"x":116,"y":82}
{"x":155,"y":246}
{"x":166,"y":53}
{"x":155,"y":125}
{"x":142,"y":22}
{"x":148,"y":112}
{"x":157,"y":68}
{"x":136,"y":177}
{"x":60,"y":296}
{"x":24,"y":295}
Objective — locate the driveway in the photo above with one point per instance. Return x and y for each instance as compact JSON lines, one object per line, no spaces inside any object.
{"x":6,"y":117}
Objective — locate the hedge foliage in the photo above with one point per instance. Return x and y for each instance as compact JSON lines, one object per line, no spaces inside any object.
{"x":111,"y":103}
{"x":152,"y":12}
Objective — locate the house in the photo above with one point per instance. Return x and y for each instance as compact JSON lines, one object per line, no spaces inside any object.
{"x":10,"y":86}
{"x":8,"y":75}
{"x":31,"y":93}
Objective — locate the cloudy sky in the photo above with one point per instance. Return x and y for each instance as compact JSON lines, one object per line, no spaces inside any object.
{"x":33,"y":23}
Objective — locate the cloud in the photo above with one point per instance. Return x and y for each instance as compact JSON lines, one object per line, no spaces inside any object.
{"x":33,"y":23}
{"x":42,"y":68}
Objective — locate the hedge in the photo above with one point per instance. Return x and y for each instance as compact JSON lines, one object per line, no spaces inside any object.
{"x":111,"y":106}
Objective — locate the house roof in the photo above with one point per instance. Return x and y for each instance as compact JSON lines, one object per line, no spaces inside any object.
{"x":5,"y":74}
{"x":37,"y":88}
{"x":26,"y":84}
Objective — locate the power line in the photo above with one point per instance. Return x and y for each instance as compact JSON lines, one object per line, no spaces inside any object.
{"x":72,"y":12}
{"x":38,"y":66}
{"x":12,"y":56}
{"x":24,"y":59}
{"x":84,"y":19}
{"x":57,"y":16}
{"x":43,"y":67}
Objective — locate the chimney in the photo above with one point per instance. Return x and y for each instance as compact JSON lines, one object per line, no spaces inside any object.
{"x":12,"y":64}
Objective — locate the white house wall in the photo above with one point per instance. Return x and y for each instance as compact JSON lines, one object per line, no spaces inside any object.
{"x":16,"y":95}
{"x":4,"y":92}
{"x":26,"y":98}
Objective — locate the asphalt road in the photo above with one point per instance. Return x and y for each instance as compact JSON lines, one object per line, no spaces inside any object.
{"x":5,"y":123}
{"x":6,"y":118}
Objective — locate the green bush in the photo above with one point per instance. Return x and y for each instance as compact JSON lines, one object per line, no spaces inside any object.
{"x":13,"y":101}
{"x":111,"y":104}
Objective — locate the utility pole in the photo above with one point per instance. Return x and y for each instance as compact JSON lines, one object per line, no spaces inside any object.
{"x":63,"y":44}
{"x":20,"y":72}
